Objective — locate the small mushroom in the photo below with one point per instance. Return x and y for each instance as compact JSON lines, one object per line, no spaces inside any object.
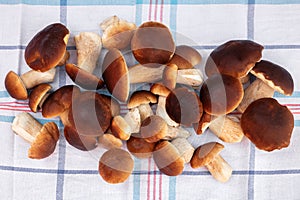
{"x":115,"y":166}
{"x":17,"y":85}
{"x":208,"y":155}
{"x":43,"y":138}
{"x":227,"y":128}
{"x":185,"y":57}
{"x":138,"y":147}
{"x":117,"y":33}
{"x":221,"y":94}
{"x":109,"y":141}
{"x":268,"y":124}
{"x":88,"y":45}
{"x":47,"y":48}
{"x":154,"y":128}
{"x":38,"y":96}
{"x":168,"y":159}
{"x":235,"y":58}
{"x":184,"y":106}
{"x":270,"y":78}
{"x":152,"y":44}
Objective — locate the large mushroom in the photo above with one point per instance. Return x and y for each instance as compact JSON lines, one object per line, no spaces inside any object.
{"x":270,"y":78}
{"x":47,"y":48}
{"x":43,"y":138}
{"x":268,"y":124}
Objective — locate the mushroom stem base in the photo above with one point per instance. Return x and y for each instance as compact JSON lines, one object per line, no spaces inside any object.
{"x":219,"y":169}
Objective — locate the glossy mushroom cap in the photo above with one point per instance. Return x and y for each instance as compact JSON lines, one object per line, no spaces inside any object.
{"x":235,"y":58}
{"x":152,"y":44}
{"x":115,"y":166}
{"x":115,"y":74}
{"x":81,"y":142}
{"x":83,"y":78}
{"x":15,"y":86}
{"x":37,"y":95}
{"x":47,"y":48}
{"x":183,"y":106}
{"x":141,"y":97}
{"x":205,"y":154}
{"x":275,"y":76}
{"x":221,"y":94}
{"x":168,"y":159}
{"x":90,"y":114}
{"x":268,"y":124}
{"x":153,"y":128}
{"x":45,"y":142}
{"x":59,"y":101}
{"x":138,"y":147}
{"x":186,"y":57}
{"x":160,"y":90}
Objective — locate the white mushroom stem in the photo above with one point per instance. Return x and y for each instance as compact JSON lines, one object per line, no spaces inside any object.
{"x":256,"y":90}
{"x":227,"y":129}
{"x":185,"y":149}
{"x":161,"y":111}
{"x":26,"y":126}
{"x":145,"y":111}
{"x":88,"y":45}
{"x":142,"y":74}
{"x":109,"y":141}
{"x":176,"y":132}
{"x":133,"y":118}
{"x":219,"y":169}
{"x":33,"y":78}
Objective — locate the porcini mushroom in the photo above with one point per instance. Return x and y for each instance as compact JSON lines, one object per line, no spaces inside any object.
{"x":184,"y":106}
{"x":117,"y":33}
{"x":43,"y":138}
{"x":138,"y":147}
{"x":109,"y":141}
{"x":88,"y":45}
{"x":185,"y":57}
{"x":169,"y":76}
{"x":185,"y":149}
{"x":235,"y":58}
{"x":17,"y":85}
{"x":208,"y":155}
{"x":47,"y":48}
{"x":152,"y":44}
{"x":268,"y":124}
{"x":221,"y":94}
{"x":38,"y":96}
{"x":115,"y":166}
{"x":204,"y":122}
{"x":168,"y":159}
{"x":270,"y":78}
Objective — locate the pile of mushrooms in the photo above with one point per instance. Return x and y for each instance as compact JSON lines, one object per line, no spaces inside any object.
{"x":156,"y":121}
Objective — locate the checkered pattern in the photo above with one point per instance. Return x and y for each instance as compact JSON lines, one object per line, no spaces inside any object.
{"x":72,"y":174}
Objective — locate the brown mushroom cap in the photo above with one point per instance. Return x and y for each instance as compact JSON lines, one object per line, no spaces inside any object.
{"x":59,"y":101}
{"x":268,"y":124}
{"x":138,"y":147}
{"x":115,"y":74}
{"x":205,"y":154}
{"x":89,"y":114}
{"x":168,"y":159}
{"x":115,"y":165}
{"x":152,"y":44}
{"x":221,"y":94}
{"x":203,"y":123}
{"x":183,"y":106}
{"x":120,"y":128}
{"x":15,"y":86}
{"x":81,"y":142}
{"x":153,"y":128}
{"x":45,"y":142}
{"x":275,"y":76}
{"x":235,"y":58}
{"x":113,"y":104}
{"x":47,"y":48}
{"x":159,"y":89}
{"x":186,"y":57}
{"x":141,"y":97}
{"x":83,"y":78}
{"x":37,"y":95}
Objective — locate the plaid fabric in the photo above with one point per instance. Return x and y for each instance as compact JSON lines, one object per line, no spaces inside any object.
{"x":72,"y":174}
